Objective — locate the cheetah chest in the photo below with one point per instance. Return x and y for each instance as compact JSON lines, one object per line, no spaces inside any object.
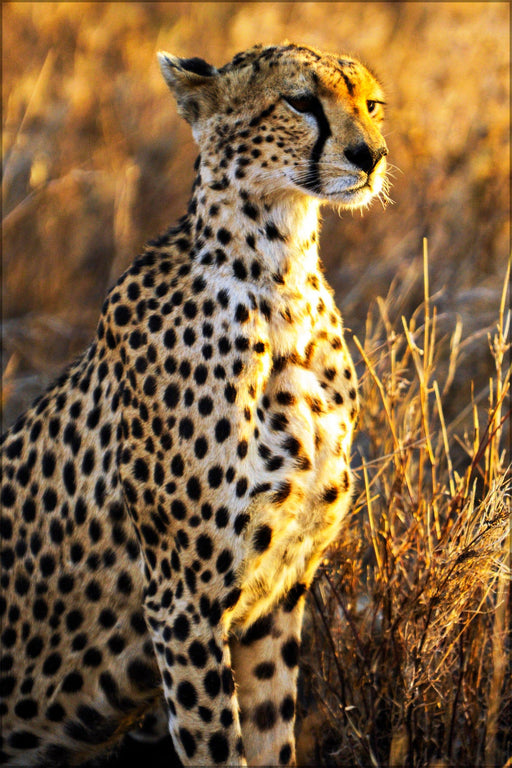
{"x":298,"y":460}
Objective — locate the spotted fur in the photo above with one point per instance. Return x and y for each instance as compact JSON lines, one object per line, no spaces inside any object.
{"x":167,"y":501}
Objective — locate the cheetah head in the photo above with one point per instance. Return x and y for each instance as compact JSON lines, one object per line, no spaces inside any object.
{"x":288,"y":120}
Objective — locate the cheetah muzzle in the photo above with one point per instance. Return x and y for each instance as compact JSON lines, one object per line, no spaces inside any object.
{"x":167,"y":501}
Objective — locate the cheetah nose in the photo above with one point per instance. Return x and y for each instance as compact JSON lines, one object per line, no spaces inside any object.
{"x":363,"y":157}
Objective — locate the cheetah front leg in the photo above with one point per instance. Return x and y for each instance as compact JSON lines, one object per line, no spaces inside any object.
{"x":265,"y":663}
{"x":194,"y":659}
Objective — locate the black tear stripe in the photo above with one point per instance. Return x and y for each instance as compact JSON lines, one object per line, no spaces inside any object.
{"x":324,"y":131}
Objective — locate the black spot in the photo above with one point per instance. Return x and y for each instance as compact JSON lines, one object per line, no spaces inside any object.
{"x":285,"y":754}
{"x":242,"y":343}
{"x":172,"y":396}
{"x":272,"y":232}
{"x":204,"y":546}
{"x":224,"y":561}
{"x":241,"y":487}
{"x":93,"y":591}
{"x":221,"y":517}
{"x":205,"y":714}
{"x":215,"y":475}
{"x":140,"y":470}
{"x":222,"y":430}
{"x":28,"y":510}
{"x":13,"y":450}
{"x":224,"y":345}
{"x":47,"y":565}
{"x":122,"y":315}
{"x":241,"y":313}
{"x":40,"y":609}
{"x":48,"y":463}
{"x":293,"y":597}
{"x":197,"y":654}
{"x":287,"y":708}
{"x":215,"y":613}
{"x":231,"y":598}
{"x":21,"y":585}
{"x":23,"y":740}
{"x":178,"y":509}
{"x":241,"y":522}
{"x":279,"y":422}
{"x":250,"y":210}
{"x":181,"y":627}
{"x":219,"y":747}
{"x":211,"y":683}
{"x":56,"y":713}
{"x":26,"y":709}
{"x":265,"y":716}
{"x":223,"y":236}
{"x":79,"y":642}
{"x":99,"y":492}
{"x":282,"y":492}
{"x":187,"y":695}
{"x":72,"y":683}
{"x":116,"y":644}
{"x":94,"y":530}
{"x":92,"y":657}
{"x":177,"y":465}
{"x":74,"y":619}
{"x":239,"y":269}
{"x":52,"y":664}
{"x":107,"y":618}
{"x":49,"y":499}
{"x":275,"y":463}
{"x":330,"y":494}
{"x":261,"y":628}
{"x":265,"y":670}
{"x":290,"y":653}
{"x":7,"y":684}
{"x":124,"y":584}
{"x":262,"y":538}
{"x":226,"y":718}
{"x":188,"y":742}
{"x":205,"y":406}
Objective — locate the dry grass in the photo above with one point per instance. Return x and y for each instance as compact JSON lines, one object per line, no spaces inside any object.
{"x":408,"y":650}
{"x":408,"y":654}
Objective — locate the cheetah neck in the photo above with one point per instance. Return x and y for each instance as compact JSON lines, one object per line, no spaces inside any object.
{"x":269,"y":239}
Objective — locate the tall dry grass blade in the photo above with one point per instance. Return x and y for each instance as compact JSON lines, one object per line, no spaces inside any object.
{"x":373,"y":529}
{"x":444,"y":434}
{"x":417,"y":354}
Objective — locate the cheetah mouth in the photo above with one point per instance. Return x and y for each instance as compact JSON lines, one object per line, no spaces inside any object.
{"x":354,"y":189}
{"x":358,"y":192}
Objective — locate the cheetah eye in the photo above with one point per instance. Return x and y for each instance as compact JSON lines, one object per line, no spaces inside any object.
{"x":301,"y":104}
{"x":372,"y":106}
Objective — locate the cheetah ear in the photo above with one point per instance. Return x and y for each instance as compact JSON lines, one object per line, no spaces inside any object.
{"x":193,"y":82}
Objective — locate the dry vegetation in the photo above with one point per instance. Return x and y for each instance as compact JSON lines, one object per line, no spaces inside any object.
{"x":407,"y":648}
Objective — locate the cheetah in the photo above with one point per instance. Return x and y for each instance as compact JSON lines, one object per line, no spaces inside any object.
{"x":165,"y":504}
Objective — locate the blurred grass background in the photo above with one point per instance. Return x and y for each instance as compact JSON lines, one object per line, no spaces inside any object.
{"x":401,"y":666}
